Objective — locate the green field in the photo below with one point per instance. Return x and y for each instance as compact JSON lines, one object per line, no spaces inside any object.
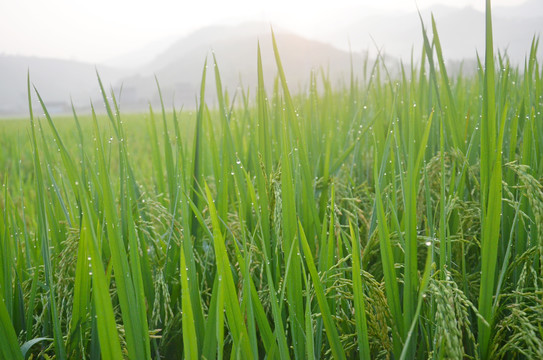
{"x":392,"y":217}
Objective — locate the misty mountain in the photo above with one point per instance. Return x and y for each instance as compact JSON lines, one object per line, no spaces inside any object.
{"x":56,"y":80}
{"x":138,"y":58}
{"x":199,"y":42}
{"x":461,"y":31}
{"x":178,"y":63}
{"x":179,"y":68}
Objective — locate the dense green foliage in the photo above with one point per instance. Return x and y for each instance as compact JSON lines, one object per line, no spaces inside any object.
{"x":395,"y":216}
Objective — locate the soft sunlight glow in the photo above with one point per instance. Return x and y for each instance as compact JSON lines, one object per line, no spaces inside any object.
{"x":95,"y":31}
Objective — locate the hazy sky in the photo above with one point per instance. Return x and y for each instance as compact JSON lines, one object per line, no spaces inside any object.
{"x":97,"y":30}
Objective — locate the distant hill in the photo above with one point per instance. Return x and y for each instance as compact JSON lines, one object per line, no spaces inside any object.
{"x":138,"y":58}
{"x":179,"y":68}
{"x":56,"y":80}
{"x":461,"y":31}
{"x":199,"y":42}
{"x":178,"y":63}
